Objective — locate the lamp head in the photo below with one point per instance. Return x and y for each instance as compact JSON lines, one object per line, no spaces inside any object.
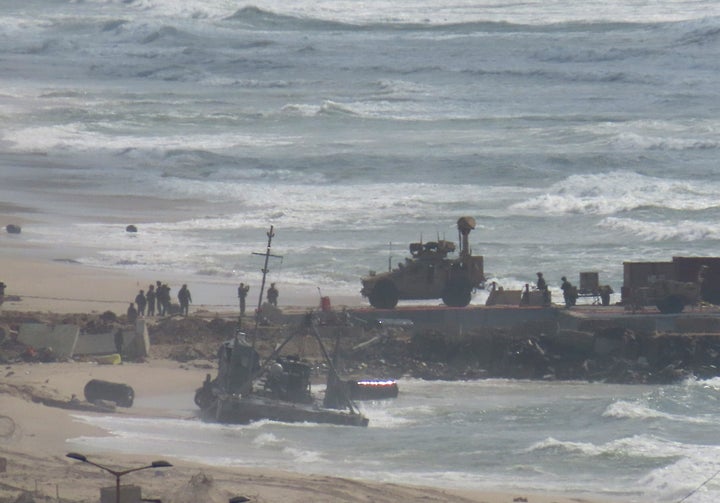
{"x":160,"y":464}
{"x":75,"y":455}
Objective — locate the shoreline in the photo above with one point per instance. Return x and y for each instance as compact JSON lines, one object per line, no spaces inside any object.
{"x":63,"y":286}
{"x":41,"y":436}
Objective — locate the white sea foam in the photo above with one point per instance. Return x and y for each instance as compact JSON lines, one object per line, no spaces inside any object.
{"x":692,"y":472}
{"x":621,"y":191}
{"x":633,"y":410}
{"x":635,"y":446}
{"x":685,"y":230}
{"x":458,"y":11}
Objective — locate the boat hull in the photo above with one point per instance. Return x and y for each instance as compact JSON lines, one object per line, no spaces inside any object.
{"x":243,"y":410}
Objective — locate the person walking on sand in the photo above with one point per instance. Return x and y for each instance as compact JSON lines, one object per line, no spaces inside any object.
{"x":150,"y":297}
{"x":141,"y":302}
{"x":272,"y":294}
{"x":2,"y":292}
{"x":185,"y":299}
{"x":243,"y":290}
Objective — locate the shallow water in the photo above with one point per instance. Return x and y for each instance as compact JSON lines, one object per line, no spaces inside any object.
{"x":630,"y":443}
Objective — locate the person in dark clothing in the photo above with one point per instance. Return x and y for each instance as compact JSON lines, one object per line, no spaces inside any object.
{"x":141,"y":302}
{"x":243,"y":290}
{"x":162,"y":298}
{"x":525,"y":297}
{"x":119,"y":340}
{"x":569,"y":292}
{"x":159,"y":298}
{"x":542,"y":286}
{"x":132,"y":313}
{"x":150,"y":297}
{"x":185,"y":299}
{"x":166,"y":299}
{"x":2,"y":292}
{"x":272,"y":295}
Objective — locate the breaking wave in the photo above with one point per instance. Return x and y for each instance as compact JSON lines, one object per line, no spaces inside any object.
{"x":684,"y":230}
{"x":618,"y":191}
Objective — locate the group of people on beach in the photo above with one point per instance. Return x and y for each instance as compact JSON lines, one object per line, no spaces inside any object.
{"x":243,"y":289}
{"x":158,"y":298}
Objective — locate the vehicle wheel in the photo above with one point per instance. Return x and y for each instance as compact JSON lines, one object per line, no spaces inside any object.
{"x":384,"y":295}
{"x":457,"y":294}
{"x":672,"y":304}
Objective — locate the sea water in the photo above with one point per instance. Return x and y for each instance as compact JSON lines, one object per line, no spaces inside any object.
{"x":580,"y":135}
{"x":616,"y":442}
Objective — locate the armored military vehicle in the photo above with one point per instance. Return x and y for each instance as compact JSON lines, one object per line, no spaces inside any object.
{"x":670,"y":286}
{"x":430,"y":274}
{"x":669,"y":296}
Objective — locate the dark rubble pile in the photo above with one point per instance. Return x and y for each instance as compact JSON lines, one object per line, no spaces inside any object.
{"x":537,"y":351}
{"x":610,"y":355}
{"x":189,"y":338}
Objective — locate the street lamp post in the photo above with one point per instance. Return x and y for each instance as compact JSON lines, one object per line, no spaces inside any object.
{"x":117,"y":473}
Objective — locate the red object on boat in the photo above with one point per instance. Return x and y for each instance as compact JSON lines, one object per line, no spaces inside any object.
{"x":325,"y":304}
{"x":373,"y":389}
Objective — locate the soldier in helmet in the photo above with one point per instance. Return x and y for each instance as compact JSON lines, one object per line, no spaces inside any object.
{"x":242,"y":295}
{"x":542,"y":286}
{"x":569,"y":292}
{"x":272,"y":295}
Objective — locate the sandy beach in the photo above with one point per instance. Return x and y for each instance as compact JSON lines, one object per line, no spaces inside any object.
{"x":34,"y":437}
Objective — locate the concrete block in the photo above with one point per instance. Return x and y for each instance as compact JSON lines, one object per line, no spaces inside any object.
{"x":128,"y":494}
{"x":139,"y":346}
{"x":95,"y":344}
{"x":504,"y":298}
{"x":136,"y":342}
{"x":61,"y":338}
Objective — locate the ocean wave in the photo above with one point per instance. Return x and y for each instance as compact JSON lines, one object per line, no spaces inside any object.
{"x":621,"y":191}
{"x":113,"y":25}
{"x":333,"y":108}
{"x":255,"y":17}
{"x":622,"y":409}
{"x":641,"y":446}
{"x":261,"y":18}
{"x":585,"y":55}
{"x":676,"y":481}
{"x":684,"y":230}
{"x":712,"y":383}
{"x":699,"y":32}
{"x":629,"y":140}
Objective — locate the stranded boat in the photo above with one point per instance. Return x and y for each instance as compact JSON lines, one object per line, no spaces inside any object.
{"x":244,"y":392}
{"x":279,"y":390}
